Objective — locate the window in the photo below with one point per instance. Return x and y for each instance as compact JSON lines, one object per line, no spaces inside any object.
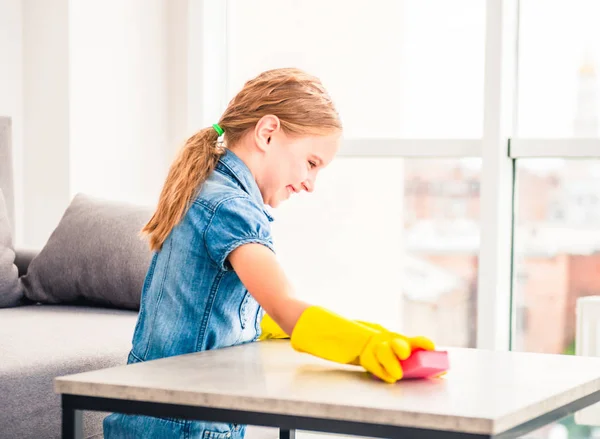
{"x":557,"y":257}
{"x":559,"y":254}
{"x":441,"y":252}
{"x":558,"y":70}
{"x":413,"y":114}
{"x":428,"y":84}
{"x":558,"y":158}
{"x":379,"y":250}
{"x":383,"y":226}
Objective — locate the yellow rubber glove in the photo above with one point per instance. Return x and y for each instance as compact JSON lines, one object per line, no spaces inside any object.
{"x":270,"y":329}
{"x":329,"y":336}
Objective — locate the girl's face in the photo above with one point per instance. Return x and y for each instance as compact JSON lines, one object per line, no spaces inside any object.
{"x":292,"y":164}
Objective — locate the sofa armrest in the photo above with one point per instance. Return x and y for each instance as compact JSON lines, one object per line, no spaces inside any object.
{"x":23,"y":259}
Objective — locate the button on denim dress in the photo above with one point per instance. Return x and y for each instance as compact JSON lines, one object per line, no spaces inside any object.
{"x":192,"y":300}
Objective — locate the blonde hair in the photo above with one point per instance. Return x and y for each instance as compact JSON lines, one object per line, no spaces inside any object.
{"x":298,"y":99}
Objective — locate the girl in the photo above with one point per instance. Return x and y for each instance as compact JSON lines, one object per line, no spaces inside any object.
{"x":214,"y":270}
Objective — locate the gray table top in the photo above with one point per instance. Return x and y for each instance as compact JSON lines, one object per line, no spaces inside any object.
{"x":485,"y":392}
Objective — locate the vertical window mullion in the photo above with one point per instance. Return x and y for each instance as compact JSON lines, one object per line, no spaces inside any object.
{"x":495,"y":267}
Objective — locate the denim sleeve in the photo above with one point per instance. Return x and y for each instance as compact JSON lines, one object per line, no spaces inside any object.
{"x":236,"y":221}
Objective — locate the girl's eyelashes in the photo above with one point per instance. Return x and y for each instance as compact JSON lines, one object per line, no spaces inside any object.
{"x":312,"y":164}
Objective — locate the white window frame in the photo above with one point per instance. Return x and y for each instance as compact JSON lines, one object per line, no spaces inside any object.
{"x":494,"y":290}
{"x":560,"y":148}
{"x":499,"y":148}
{"x":377,"y":147}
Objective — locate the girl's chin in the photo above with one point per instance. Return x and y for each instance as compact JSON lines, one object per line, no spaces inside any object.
{"x":274,"y":202}
{"x":279,"y":198}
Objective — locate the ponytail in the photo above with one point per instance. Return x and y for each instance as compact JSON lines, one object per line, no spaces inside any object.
{"x":195,"y":162}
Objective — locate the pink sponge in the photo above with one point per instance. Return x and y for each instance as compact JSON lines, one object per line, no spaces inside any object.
{"x":425,"y":364}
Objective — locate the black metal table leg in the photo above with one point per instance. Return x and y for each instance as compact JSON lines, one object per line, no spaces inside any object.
{"x":287,"y":434}
{"x":72,"y":421}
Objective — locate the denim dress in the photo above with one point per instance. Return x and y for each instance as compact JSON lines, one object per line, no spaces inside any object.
{"x":192,"y":300}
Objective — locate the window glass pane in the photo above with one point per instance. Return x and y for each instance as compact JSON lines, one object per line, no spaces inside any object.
{"x":390,"y":240}
{"x":410,"y":68}
{"x":556,"y":249}
{"x":441,"y":222}
{"x":559,"y":51}
{"x":556,"y":259}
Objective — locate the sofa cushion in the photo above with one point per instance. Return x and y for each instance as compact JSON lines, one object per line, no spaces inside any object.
{"x":11,"y":292}
{"x":94,"y":256}
{"x":41,"y":342}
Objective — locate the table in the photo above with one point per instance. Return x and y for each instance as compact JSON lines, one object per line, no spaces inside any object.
{"x":486,"y":394}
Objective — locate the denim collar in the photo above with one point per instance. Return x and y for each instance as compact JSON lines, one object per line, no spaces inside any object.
{"x":232,"y":165}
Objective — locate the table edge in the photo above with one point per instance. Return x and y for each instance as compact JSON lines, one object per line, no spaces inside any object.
{"x":281,"y":406}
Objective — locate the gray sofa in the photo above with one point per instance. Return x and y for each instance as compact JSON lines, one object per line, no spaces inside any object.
{"x":39,"y":342}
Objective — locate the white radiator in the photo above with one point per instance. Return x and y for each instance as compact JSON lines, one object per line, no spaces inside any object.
{"x":587,"y":343}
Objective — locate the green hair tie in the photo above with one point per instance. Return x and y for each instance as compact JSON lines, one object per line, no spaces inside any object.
{"x":218,"y":129}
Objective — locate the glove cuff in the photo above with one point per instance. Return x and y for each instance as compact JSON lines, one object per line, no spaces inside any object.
{"x":269,"y":329}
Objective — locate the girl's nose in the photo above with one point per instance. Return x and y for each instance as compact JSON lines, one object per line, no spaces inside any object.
{"x":308,"y":185}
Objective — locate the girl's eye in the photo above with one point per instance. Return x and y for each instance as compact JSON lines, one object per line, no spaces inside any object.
{"x":312,"y":164}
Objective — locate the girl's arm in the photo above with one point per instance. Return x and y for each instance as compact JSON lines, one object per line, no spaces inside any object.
{"x":260,"y":272}
{"x":316,"y":330}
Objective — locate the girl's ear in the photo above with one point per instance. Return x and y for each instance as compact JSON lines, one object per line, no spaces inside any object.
{"x":264,"y":130}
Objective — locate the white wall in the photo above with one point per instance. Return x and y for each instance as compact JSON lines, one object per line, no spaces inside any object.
{"x":45,"y":117}
{"x":11,"y":97}
{"x":138,"y":91}
{"x":99,"y":93}
{"x":119,"y":98}
{"x":178,"y":14}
